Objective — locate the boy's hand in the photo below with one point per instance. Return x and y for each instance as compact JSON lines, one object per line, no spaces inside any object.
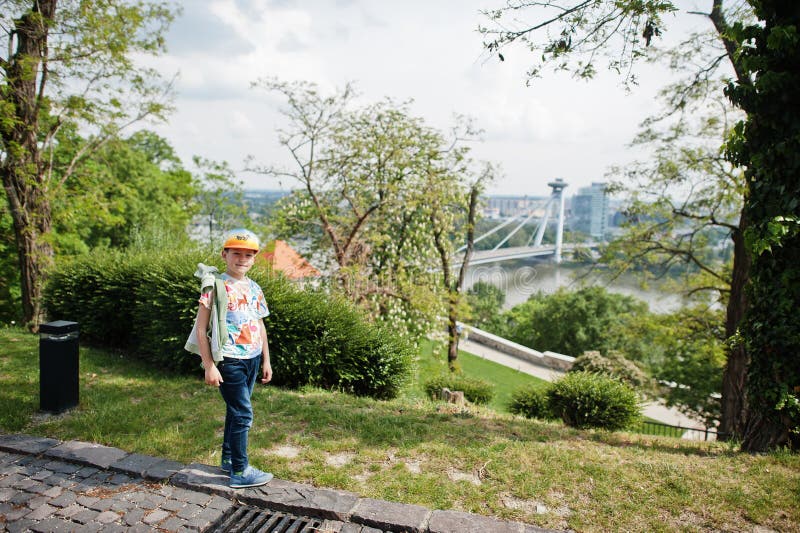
{"x":266,"y":372}
{"x":213,"y":377}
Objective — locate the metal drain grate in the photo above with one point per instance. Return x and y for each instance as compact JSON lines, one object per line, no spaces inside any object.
{"x":252,"y":520}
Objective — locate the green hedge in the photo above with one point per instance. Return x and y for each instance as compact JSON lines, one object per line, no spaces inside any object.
{"x":532,"y":402}
{"x":475,"y":390}
{"x":587,"y":400}
{"x":145,"y":305}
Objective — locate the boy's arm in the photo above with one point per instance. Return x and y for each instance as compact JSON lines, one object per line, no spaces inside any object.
{"x":213,"y":376}
{"x":266,"y":366}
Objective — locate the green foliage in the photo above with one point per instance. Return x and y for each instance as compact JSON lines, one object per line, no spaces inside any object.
{"x":692,"y":362}
{"x":475,"y":390}
{"x":768,"y":145}
{"x":10,"y":308}
{"x":586,"y":400}
{"x":532,"y":402}
{"x":613,"y":365}
{"x":572,"y":322}
{"x":377,"y":187}
{"x":486,"y":302}
{"x":144,"y":305}
{"x":128,"y":188}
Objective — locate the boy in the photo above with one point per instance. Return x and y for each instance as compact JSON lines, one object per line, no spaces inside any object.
{"x":244,"y":351}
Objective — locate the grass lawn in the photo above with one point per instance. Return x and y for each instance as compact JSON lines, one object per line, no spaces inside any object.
{"x":415,"y":451}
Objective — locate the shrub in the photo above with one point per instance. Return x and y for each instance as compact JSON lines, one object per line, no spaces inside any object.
{"x":531,"y":402}
{"x":475,"y":390}
{"x":613,"y":365}
{"x":145,"y":306}
{"x":587,"y":400}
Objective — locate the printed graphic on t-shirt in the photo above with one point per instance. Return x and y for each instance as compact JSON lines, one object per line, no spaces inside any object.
{"x":246,"y":308}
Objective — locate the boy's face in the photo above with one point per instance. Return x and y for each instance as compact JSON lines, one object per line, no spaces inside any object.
{"x":238,"y":261}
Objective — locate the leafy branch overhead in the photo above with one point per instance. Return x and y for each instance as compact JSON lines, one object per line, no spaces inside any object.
{"x":573,"y":35}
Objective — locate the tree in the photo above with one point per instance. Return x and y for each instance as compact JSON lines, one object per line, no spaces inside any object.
{"x":572,"y":34}
{"x":368,"y":175}
{"x":485,"y":302}
{"x":126,"y":191}
{"x":573,"y":322}
{"x":67,"y":62}
{"x":219,"y":197}
{"x":443,"y":216}
{"x":767,"y":144}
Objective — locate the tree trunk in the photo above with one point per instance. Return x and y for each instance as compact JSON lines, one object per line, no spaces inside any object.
{"x":734,"y":377}
{"x":23,"y":174}
{"x":452,"y":331}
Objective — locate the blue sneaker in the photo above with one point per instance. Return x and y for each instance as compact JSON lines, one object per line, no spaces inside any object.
{"x":226,"y":465}
{"x":251,"y":477}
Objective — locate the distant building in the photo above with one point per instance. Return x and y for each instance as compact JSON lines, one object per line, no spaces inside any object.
{"x":511,"y":206}
{"x":589,"y":211}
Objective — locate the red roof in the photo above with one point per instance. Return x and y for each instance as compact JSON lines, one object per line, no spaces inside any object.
{"x":283,"y":258}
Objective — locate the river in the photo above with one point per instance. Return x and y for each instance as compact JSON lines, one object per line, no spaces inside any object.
{"x":520,"y":279}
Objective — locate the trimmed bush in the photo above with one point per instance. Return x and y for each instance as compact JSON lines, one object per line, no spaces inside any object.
{"x":145,"y":305}
{"x":588,"y":400}
{"x":613,"y":365}
{"x":475,"y":390}
{"x":532,"y":402}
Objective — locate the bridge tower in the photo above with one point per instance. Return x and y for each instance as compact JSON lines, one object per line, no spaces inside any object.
{"x":558,"y":185}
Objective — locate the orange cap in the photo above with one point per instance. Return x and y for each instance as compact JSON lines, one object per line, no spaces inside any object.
{"x":241,"y":238}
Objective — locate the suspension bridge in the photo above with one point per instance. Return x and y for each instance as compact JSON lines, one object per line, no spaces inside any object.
{"x":534,"y":246}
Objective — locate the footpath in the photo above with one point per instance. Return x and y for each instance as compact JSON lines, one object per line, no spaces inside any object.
{"x":47,"y":485}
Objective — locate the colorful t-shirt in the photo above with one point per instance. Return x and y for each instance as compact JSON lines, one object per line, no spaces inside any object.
{"x":246,"y":308}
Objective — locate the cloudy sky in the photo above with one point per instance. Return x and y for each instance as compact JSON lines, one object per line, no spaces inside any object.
{"x":425,"y":50}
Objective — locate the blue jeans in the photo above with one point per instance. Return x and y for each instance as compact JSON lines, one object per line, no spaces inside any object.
{"x":239,"y":378}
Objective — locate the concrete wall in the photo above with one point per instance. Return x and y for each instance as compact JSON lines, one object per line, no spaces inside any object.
{"x":546,"y":359}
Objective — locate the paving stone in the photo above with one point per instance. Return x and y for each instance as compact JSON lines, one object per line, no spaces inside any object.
{"x":173,"y":505}
{"x":135,"y":464}
{"x":218,"y":502}
{"x":331,"y":526}
{"x":39,"y":488}
{"x":113,"y":528}
{"x":133,"y":517}
{"x":62,"y":467}
{"x":121,"y":506}
{"x":154,"y":517}
{"x":352,"y":528}
{"x":26,"y":444}
{"x":6,"y":494}
{"x":41,"y":512}
{"x":84,"y":516}
{"x":384,"y":515}
{"x":189,"y":511}
{"x":163,"y":470}
{"x":71,"y":510}
{"x":42,"y":475}
{"x":91,"y":527}
{"x":37,"y":501}
{"x":16,"y":512}
{"x":86,"y":501}
{"x":458,"y":522}
{"x":106,"y":517}
{"x":52,"y":525}
{"x":102,"y":504}
{"x":191,"y":496}
{"x":17,"y":526}
{"x":86,"y":471}
{"x":11,"y":480}
{"x":21,"y":498}
{"x":53,"y":492}
{"x":204,"y":477}
{"x":173,"y":523}
{"x":140,"y":528}
{"x":25,"y":484}
{"x":205,"y":518}
{"x":86,"y":453}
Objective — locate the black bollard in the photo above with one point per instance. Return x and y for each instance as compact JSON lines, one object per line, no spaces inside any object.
{"x":58,"y":366}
